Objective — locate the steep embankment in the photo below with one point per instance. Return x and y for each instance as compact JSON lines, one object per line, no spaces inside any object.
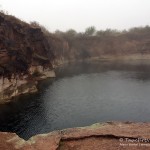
{"x":25,"y":56}
{"x":28,"y":54}
{"x":108,"y":44}
{"x":105,"y":136}
{"x":124,"y":46}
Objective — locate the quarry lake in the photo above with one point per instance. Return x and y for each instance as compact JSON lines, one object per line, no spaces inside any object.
{"x":80,"y":95}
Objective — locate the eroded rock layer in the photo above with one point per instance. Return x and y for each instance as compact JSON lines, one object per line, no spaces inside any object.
{"x":24,"y":54}
{"x":101,"y":136}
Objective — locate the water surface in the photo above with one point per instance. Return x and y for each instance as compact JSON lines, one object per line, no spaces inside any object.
{"x":80,"y":95}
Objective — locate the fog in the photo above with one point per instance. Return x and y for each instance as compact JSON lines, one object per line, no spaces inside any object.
{"x":80,"y":14}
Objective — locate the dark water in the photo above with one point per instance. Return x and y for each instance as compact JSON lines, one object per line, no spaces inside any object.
{"x":82,"y":94}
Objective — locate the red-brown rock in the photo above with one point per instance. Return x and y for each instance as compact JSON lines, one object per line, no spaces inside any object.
{"x":101,"y":136}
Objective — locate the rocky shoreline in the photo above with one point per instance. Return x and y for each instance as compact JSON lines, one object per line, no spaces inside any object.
{"x":29,"y":54}
{"x":26,"y":84}
{"x":25,"y":57}
{"x":100,"y":136}
{"x":15,"y":86}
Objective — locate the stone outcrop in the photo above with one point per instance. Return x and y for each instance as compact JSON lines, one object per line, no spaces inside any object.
{"x":15,"y":87}
{"x":100,"y":136}
{"x":25,"y":57}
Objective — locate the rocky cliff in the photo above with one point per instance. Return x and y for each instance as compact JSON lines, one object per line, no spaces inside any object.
{"x":25,"y":56}
{"x":123,"y":46}
{"x":28,"y":54}
{"x":100,"y":136}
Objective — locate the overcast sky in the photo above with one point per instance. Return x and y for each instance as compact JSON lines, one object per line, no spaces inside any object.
{"x":79,"y":14}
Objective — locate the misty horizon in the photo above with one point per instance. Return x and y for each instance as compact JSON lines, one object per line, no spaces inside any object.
{"x":78,"y":15}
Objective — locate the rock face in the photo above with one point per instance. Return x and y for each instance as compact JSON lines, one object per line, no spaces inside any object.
{"x":100,"y":136}
{"x":25,"y":56}
{"x":28,"y":54}
{"x":132,"y":44}
{"x":15,"y":87}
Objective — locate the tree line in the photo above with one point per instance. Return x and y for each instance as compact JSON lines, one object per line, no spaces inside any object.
{"x":137,"y":32}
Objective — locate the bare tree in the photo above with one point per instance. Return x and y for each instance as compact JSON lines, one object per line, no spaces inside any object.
{"x":90,"y":31}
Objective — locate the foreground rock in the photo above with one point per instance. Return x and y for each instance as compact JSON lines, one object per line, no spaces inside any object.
{"x":105,"y":136}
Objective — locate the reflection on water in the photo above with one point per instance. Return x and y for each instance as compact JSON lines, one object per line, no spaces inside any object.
{"x":82,"y":94}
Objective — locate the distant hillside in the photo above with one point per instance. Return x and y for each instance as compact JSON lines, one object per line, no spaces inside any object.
{"x":109,"y":43}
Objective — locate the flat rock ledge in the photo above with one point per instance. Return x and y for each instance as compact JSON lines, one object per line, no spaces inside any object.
{"x":100,"y":136}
